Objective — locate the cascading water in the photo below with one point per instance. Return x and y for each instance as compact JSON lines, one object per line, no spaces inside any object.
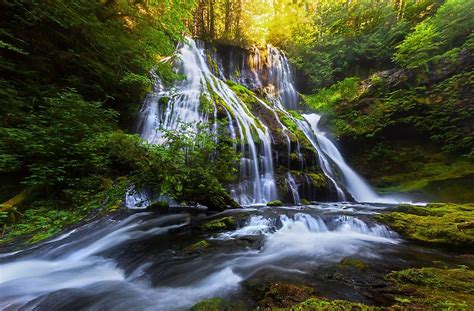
{"x":167,"y":108}
{"x":182,"y":104}
{"x":331,"y":157}
{"x":290,"y":181}
{"x":127,"y":264}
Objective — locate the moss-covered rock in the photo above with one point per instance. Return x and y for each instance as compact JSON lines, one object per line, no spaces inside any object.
{"x":305,"y":202}
{"x":317,"y":304}
{"x":282,"y":295}
{"x":275,"y":203}
{"x":432,"y":289}
{"x":354,"y":263}
{"x":225,"y":223}
{"x":216,"y":304}
{"x":197,"y":247}
{"x":448,"y":225}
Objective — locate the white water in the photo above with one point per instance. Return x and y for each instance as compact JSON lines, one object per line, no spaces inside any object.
{"x":331,"y":157}
{"x":168,"y":108}
{"x":290,"y":181}
{"x":86,"y":261}
{"x":257,"y":184}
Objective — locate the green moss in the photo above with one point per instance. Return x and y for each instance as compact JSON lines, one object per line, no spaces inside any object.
{"x":277,"y":295}
{"x":205,"y":103}
{"x":45,"y":218}
{"x":225,"y":223}
{"x":212,"y":64}
{"x":164,"y":101}
{"x":352,"y":262}
{"x":433,"y":289}
{"x":318,"y":180}
{"x":446,"y":225}
{"x":275,"y":203}
{"x":317,"y":304}
{"x":216,"y":304}
{"x":197,"y":247}
{"x":305,"y":202}
{"x":158,"y":206}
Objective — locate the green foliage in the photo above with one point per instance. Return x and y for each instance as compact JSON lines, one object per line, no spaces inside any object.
{"x":58,"y":145}
{"x":70,"y":71}
{"x":190,"y":165}
{"x":47,"y":217}
{"x":418,"y":47}
{"x":354,"y":38}
{"x":448,"y":225}
{"x":449,"y":28}
{"x":327,"y":98}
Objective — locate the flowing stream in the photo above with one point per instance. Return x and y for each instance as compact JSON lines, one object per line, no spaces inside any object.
{"x":144,"y":261}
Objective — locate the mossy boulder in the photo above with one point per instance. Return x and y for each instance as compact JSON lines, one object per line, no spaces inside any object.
{"x":448,"y":225}
{"x":225,"y":223}
{"x":275,"y":203}
{"x":305,"y":202}
{"x":283,"y":295}
{"x":432,"y":289}
{"x":197,"y":247}
{"x":216,"y":304}
{"x":318,"y":304}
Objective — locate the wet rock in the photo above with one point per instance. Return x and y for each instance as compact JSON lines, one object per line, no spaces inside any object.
{"x":159,"y":206}
{"x":281,"y":294}
{"x":221,"y":224}
{"x":275,"y":203}
{"x":197,"y":247}
{"x":353,"y":263}
{"x":216,"y":304}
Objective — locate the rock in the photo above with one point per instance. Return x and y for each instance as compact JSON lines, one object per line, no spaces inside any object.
{"x":159,"y":206}
{"x":275,"y":203}
{"x":448,"y":225}
{"x":197,"y":247}
{"x":354,"y":263}
{"x":305,"y":202}
{"x":225,"y":223}
{"x":216,"y":304}
{"x":283,"y":295}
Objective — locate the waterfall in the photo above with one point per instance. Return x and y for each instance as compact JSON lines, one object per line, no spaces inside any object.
{"x":203,"y":96}
{"x":290,"y":181}
{"x":182,"y":103}
{"x":331,"y":157}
